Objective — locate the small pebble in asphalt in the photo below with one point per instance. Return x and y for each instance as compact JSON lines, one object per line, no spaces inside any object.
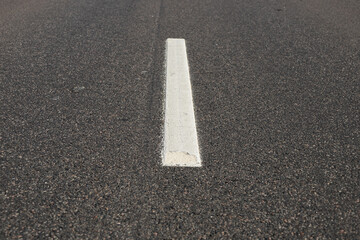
{"x":78,"y":89}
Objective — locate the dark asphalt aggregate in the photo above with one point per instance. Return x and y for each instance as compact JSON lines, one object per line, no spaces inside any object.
{"x":276,"y":88}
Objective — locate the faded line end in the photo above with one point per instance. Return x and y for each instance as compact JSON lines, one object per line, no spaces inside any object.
{"x":181,"y":159}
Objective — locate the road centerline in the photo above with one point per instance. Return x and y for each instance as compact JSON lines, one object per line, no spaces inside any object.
{"x":181,"y":148}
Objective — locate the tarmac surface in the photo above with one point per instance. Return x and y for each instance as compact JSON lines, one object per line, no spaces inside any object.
{"x":276,"y":88}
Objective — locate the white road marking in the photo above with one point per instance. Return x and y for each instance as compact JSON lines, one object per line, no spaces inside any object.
{"x":181,"y":148}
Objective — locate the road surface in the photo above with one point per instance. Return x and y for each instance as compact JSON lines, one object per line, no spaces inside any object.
{"x":276,"y":93}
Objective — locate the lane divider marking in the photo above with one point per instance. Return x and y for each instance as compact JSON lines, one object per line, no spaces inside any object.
{"x":181,"y":148}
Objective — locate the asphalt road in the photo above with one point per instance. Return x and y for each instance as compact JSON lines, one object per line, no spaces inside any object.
{"x":276,"y":87}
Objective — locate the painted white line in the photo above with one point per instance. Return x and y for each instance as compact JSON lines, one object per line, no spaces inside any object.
{"x":181,"y":148}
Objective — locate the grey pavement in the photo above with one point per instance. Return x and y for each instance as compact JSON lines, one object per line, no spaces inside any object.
{"x":276,"y":87}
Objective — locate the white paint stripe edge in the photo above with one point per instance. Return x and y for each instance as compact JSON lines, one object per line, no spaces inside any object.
{"x":181,"y":148}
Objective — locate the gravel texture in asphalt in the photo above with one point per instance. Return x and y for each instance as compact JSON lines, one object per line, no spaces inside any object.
{"x":276,"y":88}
